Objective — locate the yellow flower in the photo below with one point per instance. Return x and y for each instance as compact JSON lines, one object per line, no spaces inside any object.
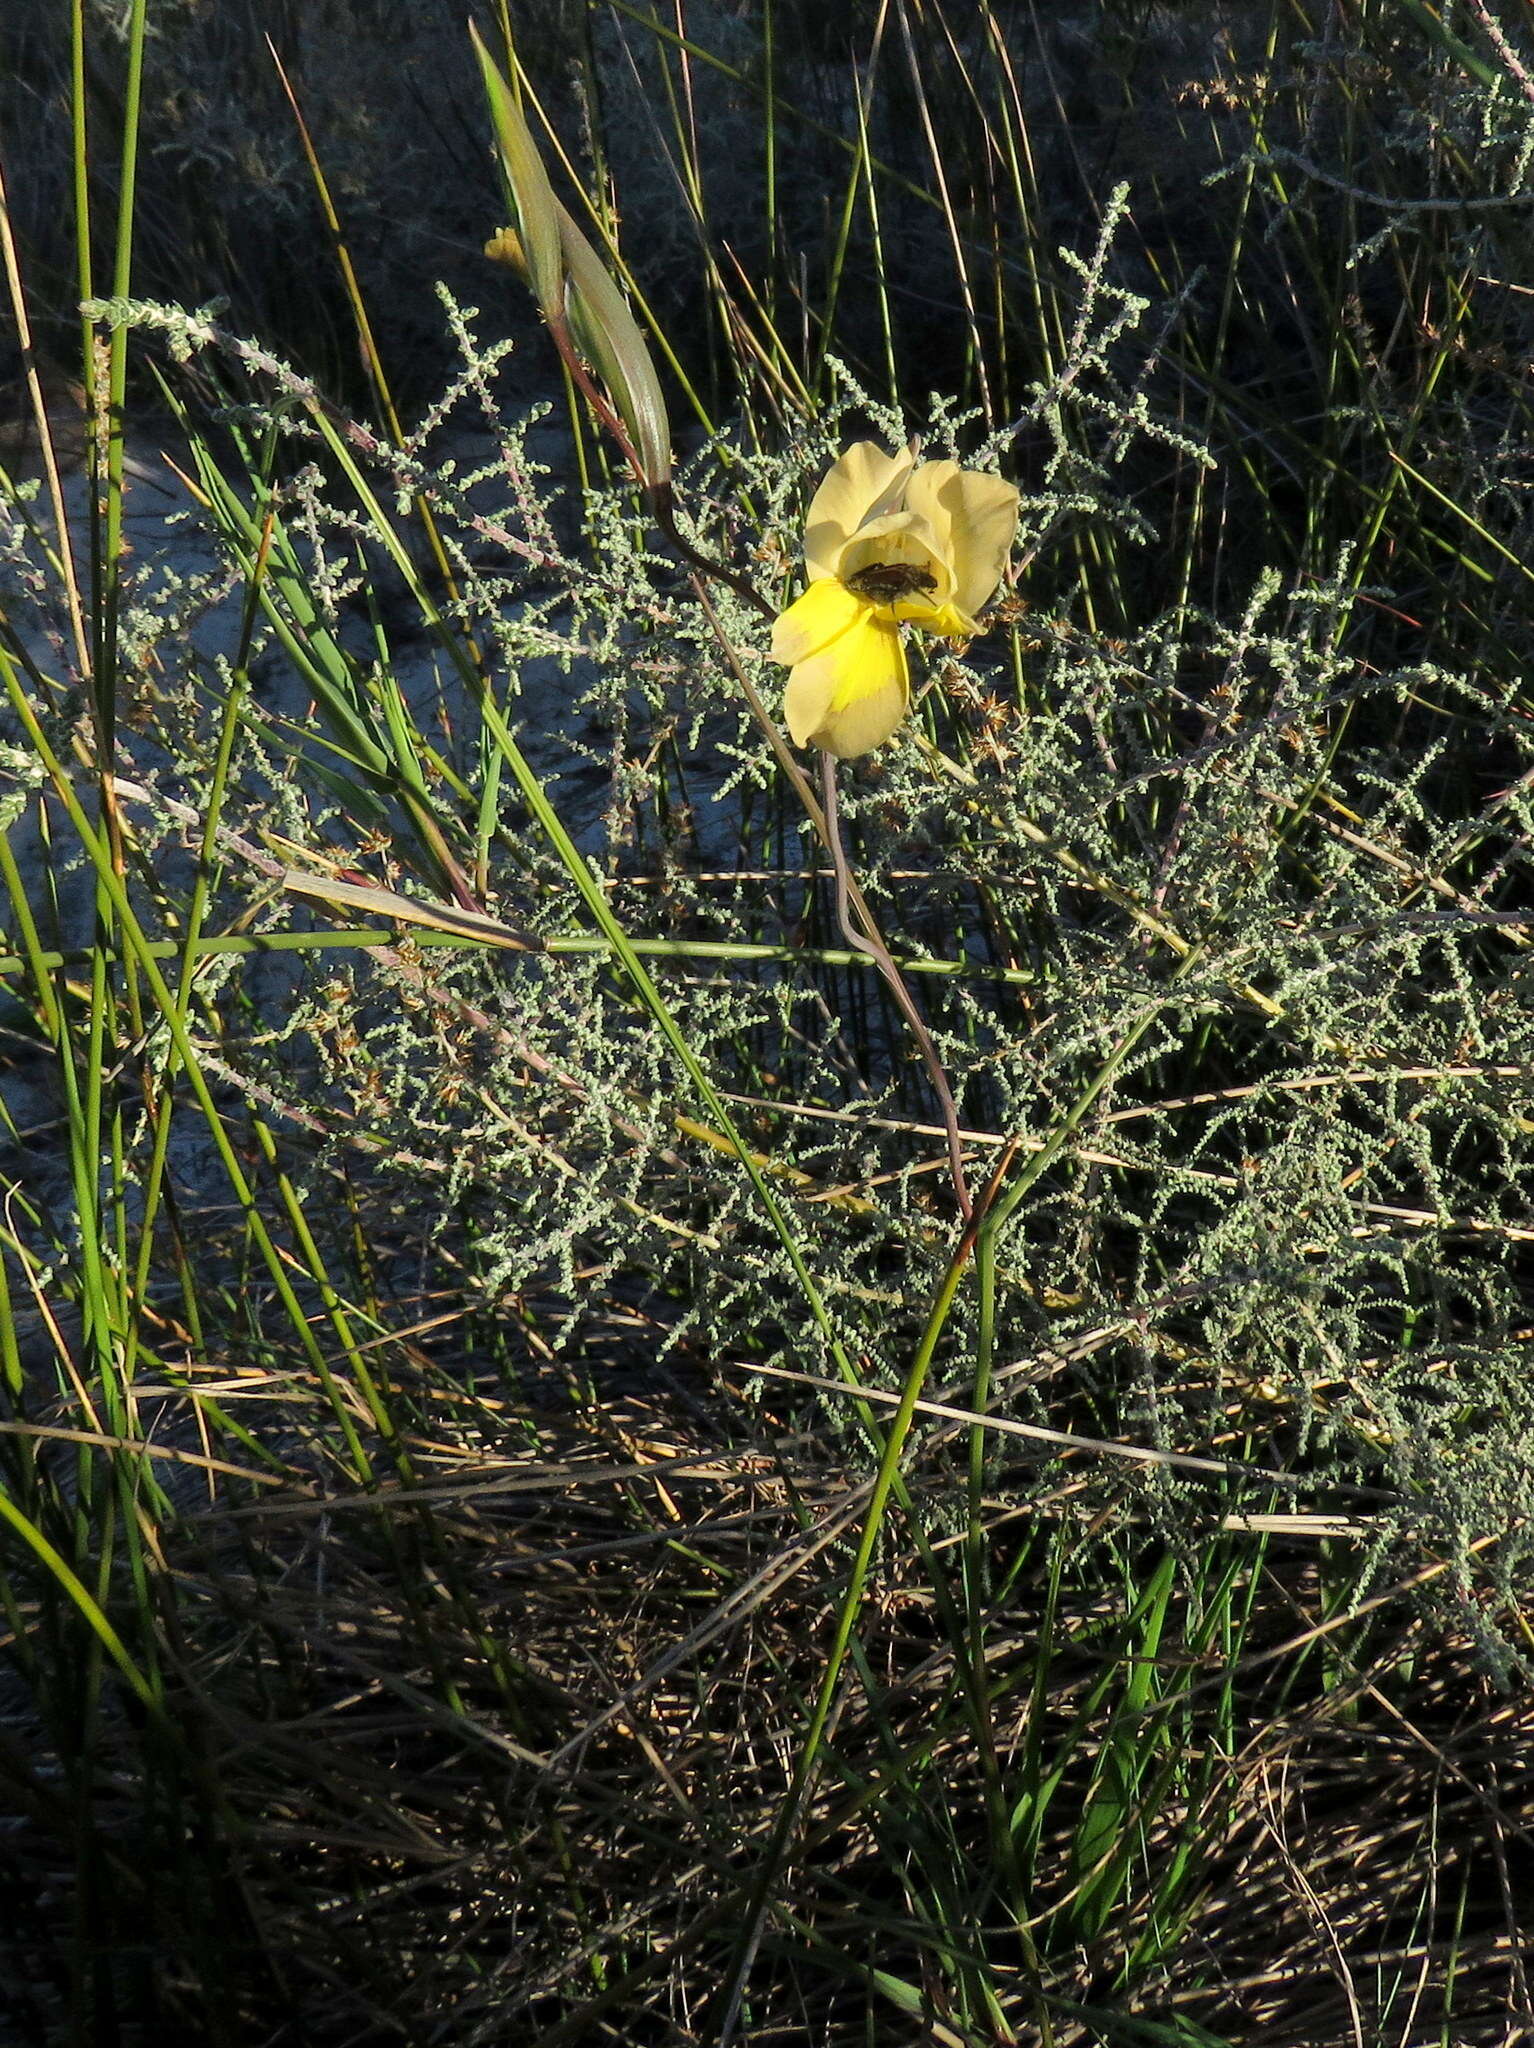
{"x":888,"y":540}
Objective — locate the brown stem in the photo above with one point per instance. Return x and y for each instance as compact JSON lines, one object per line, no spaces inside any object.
{"x":849,"y":896}
{"x":869,"y":942}
{"x":657,"y":490}
{"x":586,"y":384}
{"x":664,"y":515}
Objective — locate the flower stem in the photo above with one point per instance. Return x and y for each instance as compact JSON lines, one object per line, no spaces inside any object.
{"x":851,"y":904}
{"x":662,"y":510}
{"x":869,"y":941}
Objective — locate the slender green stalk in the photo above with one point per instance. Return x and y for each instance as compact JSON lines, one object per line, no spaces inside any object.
{"x":63,"y":540}
{"x":137,"y":948}
{"x":885,"y":1477}
{"x":80,"y":1597}
{"x":109,"y":570}
{"x":161,"y":1107}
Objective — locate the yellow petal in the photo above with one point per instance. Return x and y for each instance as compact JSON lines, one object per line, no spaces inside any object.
{"x":849,"y":697}
{"x":858,"y":486}
{"x":813,"y":619}
{"x":935,"y":499}
{"x":973,"y":517}
{"x":505,"y":246}
{"x":944,"y":619}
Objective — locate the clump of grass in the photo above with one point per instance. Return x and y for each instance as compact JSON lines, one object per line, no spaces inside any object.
{"x":508,"y":1460}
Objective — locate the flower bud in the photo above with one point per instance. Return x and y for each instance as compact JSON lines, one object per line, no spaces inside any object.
{"x":573,"y":286}
{"x":537,"y":222}
{"x":505,"y":246}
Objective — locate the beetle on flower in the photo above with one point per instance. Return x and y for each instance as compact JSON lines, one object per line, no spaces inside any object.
{"x":889,"y":541}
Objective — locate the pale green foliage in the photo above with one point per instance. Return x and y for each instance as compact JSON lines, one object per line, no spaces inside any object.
{"x":1295,"y":1212}
{"x":388,"y":1322}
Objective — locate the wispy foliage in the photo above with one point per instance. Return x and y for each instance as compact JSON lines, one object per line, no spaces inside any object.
{"x":470,"y":1218}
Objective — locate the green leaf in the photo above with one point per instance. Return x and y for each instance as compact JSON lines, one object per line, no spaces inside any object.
{"x":608,"y":336}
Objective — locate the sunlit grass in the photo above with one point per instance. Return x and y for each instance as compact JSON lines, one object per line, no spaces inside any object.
{"x":525,"y":1512}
